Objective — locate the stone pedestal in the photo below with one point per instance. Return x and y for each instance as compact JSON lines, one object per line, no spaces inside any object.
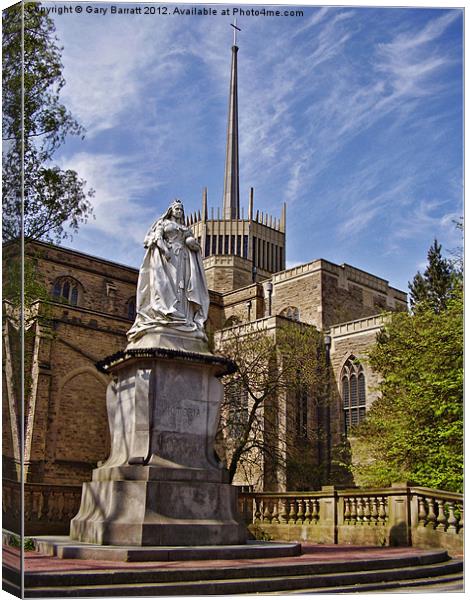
{"x":162,"y":484}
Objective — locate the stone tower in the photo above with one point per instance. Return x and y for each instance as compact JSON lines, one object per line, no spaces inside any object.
{"x":237,"y":250}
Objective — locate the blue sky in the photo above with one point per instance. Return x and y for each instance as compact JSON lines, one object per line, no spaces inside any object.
{"x":351,"y":115}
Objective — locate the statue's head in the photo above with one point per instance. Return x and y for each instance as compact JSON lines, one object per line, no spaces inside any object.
{"x":175,"y":211}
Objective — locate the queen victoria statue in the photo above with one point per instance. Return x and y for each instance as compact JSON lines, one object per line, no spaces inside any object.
{"x":162,"y":484}
{"x":172,"y":297}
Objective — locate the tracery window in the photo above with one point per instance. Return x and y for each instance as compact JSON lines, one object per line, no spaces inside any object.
{"x":353,"y":393}
{"x":291,"y":312}
{"x":232,"y":321}
{"x":301,"y":422}
{"x":236,"y":402}
{"x":67,"y":289}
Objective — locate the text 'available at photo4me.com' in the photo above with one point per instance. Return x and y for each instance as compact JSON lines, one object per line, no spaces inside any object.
{"x":170,"y":9}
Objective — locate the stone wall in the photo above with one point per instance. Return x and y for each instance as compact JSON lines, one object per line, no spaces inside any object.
{"x":106,"y":286}
{"x":227,"y":273}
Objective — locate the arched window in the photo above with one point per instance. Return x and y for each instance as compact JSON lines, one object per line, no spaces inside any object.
{"x":301,"y":413}
{"x":232,"y":321}
{"x":236,"y":401}
{"x":130,"y":308}
{"x":67,"y":289}
{"x":291,"y":312}
{"x":353,"y":392}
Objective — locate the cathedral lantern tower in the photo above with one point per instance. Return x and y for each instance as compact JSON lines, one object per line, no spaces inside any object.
{"x":238,"y":249}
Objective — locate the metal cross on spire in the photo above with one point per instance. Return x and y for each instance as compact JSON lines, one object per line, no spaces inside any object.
{"x":235,"y":29}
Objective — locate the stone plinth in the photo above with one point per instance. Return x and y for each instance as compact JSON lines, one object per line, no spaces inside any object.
{"x":162,"y":483}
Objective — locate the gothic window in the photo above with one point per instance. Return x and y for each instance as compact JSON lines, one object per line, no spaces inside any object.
{"x":67,"y":289}
{"x":207,"y":249}
{"x":236,"y":400}
{"x":301,"y":414}
{"x":130,"y":308}
{"x":291,"y":312}
{"x":232,"y":321}
{"x":353,"y":392}
{"x":245,"y":246}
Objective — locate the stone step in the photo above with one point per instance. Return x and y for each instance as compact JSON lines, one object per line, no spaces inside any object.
{"x":63,"y":547}
{"x":254,"y":581}
{"x":439,"y":583}
{"x":160,"y":574}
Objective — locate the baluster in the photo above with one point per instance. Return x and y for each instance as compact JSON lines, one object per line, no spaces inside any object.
{"x":347,"y":510}
{"x":421,"y":512}
{"x":267,"y":516}
{"x":60,"y":505}
{"x":441,"y":518}
{"x":50,"y":506}
{"x":257,"y":510}
{"x":353,"y":510}
{"x":285,"y":511}
{"x":308,"y":511}
{"x":461,"y":509}
{"x":293,"y":511}
{"x":367,"y":510}
{"x":375,"y":512}
{"x":275,"y":513}
{"x":28,"y":501}
{"x":68,"y":506}
{"x":315,"y":510}
{"x":452,"y":520}
{"x":300,"y":512}
{"x":360,"y":510}
{"x":36,"y":505}
{"x":382,"y":510}
{"x":432,"y":519}
{"x":6,"y":503}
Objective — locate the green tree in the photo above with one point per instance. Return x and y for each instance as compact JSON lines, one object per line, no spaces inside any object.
{"x":414,"y":431}
{"x":51,"y":197}
{"x":436,"y":285}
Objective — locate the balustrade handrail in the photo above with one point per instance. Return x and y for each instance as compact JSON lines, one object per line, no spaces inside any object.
{"x":286,"y":495}
{"x":56,"y":486}
{"x":359,"y":492}
{"x":424,"y":491}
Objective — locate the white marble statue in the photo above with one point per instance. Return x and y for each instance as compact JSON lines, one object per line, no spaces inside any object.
{"x":172,"y":290}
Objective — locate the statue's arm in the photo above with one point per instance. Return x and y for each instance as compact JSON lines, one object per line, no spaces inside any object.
{"x":191,"y":241}
{"x":149,"y":239}
{"x":160,"y":241}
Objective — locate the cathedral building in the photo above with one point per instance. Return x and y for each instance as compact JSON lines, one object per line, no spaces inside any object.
{"x":91,"y":306}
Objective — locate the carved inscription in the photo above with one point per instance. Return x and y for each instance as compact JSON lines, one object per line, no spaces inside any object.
{"x":181,"y":413}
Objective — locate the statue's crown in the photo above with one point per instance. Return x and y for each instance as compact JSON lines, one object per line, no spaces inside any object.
{"x":177,"y":202}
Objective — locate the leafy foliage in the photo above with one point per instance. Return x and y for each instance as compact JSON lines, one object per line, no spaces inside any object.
{"x":414,"y":431}
{"x":257,"y":427}
{"x":434,"y":288}
{"x":51,"y":197}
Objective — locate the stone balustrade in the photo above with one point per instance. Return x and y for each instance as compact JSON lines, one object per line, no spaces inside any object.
{"x":401,"y":515}
{"x":48,"y":509}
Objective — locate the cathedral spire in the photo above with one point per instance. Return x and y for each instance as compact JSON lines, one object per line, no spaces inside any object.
{"x":231,"y":181}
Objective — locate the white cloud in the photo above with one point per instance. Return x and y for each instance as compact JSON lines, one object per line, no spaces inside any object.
{"x":119,"y":183}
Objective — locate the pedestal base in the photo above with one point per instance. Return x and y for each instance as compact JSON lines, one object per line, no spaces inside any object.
{"x":162,"y":484}
{"x":157,"y":513}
